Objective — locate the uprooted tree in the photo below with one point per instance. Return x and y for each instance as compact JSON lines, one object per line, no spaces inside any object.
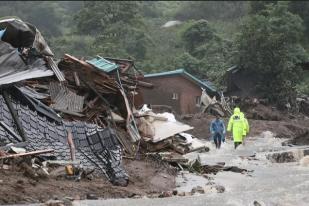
{"x":269,"y":46}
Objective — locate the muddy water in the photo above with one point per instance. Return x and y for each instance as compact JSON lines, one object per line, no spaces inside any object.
{"x":269,"y":183}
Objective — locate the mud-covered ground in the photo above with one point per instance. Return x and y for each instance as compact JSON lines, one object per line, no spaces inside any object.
{"x":261,"y":118}
{"x":146,"y":178}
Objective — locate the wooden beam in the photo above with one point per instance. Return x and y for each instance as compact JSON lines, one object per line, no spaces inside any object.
{"x":19,"y":126}
{"x":28,"y":153}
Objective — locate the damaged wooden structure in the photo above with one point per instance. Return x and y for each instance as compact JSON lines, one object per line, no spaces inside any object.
{"x":42,"y":102}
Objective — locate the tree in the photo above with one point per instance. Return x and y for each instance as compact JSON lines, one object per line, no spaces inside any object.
{"x":118,"y":28}
{"x":212,"y":10}
{"x":258,"y":6}
{"x":206,"y":51}
{"x":269,"y":46}
{"x":96,"y":16}
{"x":46,"y":16}
{"x":302,"y":9}
{"x":198,"y":33}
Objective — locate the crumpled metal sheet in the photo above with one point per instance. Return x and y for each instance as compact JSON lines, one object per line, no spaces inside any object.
{"x":32,"y":93}
{"x":103,"y":64}
{"x":14,"y":69}
{"x":64,"y":98}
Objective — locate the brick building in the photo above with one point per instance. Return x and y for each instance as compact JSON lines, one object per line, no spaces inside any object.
{"x":177,"y":89}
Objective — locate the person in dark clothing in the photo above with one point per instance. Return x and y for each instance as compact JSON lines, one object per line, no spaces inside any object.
{"x":217,"y":130}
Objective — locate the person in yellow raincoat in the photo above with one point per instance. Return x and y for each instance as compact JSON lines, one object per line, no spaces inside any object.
{"x":246,"y":126}
{"x":236,"y":125}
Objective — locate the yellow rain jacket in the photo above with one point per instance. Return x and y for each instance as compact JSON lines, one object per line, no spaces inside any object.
{"x":236,"y":125}
{"x":246,"y":128}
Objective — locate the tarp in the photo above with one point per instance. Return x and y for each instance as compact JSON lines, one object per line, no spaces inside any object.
{"x":14,"y":69}
{"x":21,"y":34}
{"x":1,"y":33}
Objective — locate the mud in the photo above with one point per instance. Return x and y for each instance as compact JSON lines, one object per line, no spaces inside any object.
{"x":145,"y":178}
{"x":285,"y":125}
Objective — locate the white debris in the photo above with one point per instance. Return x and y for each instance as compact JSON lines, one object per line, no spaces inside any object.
{"x":171,"y":23}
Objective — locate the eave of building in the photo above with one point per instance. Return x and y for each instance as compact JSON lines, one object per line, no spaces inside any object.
{"x":185,"y":74}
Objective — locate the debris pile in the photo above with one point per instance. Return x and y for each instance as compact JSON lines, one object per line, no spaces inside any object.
{"x":214,"y":107}
{"x":163,"y":135}
{"x":44,"y":103}
{"x":80,"y":113}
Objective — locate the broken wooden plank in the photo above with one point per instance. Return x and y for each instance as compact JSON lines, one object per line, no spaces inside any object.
{"x":71,"y":145}
{"x":28,"y":153}
{"x":76,"y":78}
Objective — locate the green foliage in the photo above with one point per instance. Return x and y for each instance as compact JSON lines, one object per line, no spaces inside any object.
{"x":97,"y":16}
{"x":258,"y":6}
{"x":269,"y":45}
{"x":208,"y":55}
{"x":212,"y":10}
{"x":198,"y":33}
{"x":46,"y":16}
{"x":118,"y":29}
{"x":303,"y":86}
{"x":77,"y":45}
{"x":301,"y":8}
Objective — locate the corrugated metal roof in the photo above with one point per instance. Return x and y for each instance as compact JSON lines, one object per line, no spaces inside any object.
{"x":204,"y":83}
{"x":103,"y":64}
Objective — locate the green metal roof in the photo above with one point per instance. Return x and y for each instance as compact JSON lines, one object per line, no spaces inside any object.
{"x":204,"y":84}
{"x":103,"y":64}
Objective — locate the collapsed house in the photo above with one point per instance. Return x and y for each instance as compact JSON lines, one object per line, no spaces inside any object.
{"x":83,"y":111}
{"x":42,"y":102}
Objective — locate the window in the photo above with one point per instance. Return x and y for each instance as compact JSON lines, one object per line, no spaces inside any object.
{"x":175,"y":96}
{"x":198,"y":100}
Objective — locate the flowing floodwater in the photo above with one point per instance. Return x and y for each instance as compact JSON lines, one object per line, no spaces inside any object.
{"x":269,"y":183}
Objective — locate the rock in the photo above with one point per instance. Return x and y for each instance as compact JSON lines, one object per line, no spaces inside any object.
{"x":197,"y":189}
{"x":54,"y":203}
{"x":67,"y":201}
{"x":220,"y":189}
{"x":1,"y":181}
{"x":188,"y":194}
{"x":175,"y":192}
{"x":193,"y":190}
{"x":69,"y":198}
{"x":206,"y":176}
{"x":181,"y":194}
{"x":32,"y":182}
{"x":200,"y":190}
{"x":210,"y":183}
{"x":91,"y":197}
{"x":256,"y":203}
{"x":153,"y":196}
{"x":5,"y":167}
{"x":166,"y":194}
{"x":20,"y":182}
{"x":136,"y":196}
